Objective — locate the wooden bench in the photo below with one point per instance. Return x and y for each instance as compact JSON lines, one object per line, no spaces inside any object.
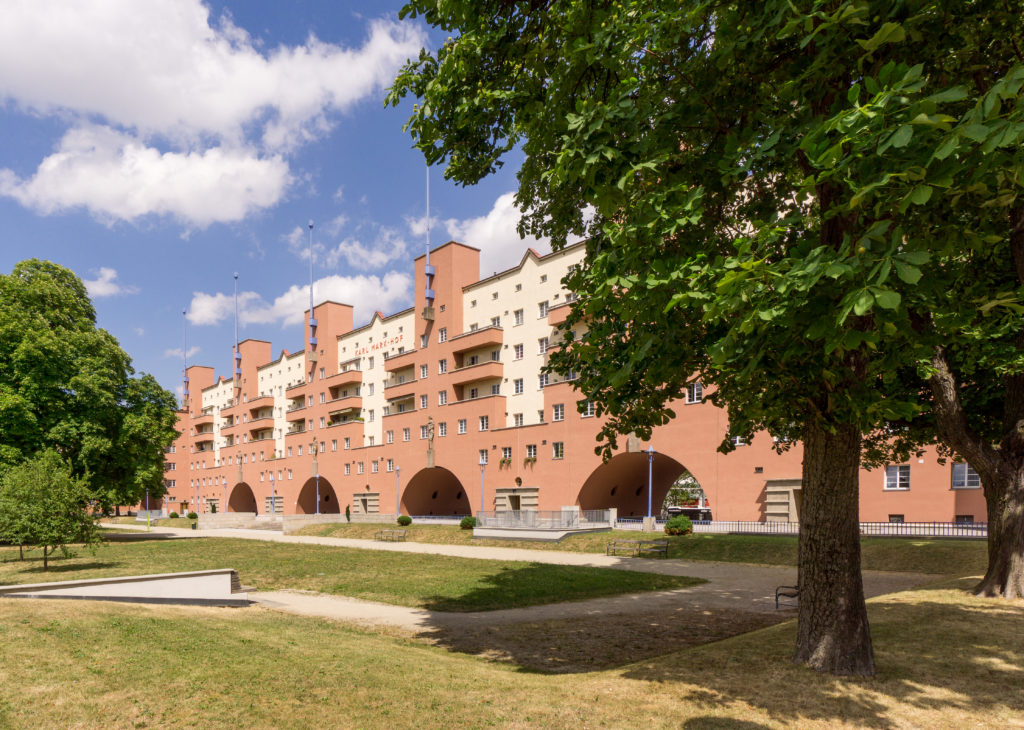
{"x":786,"y":592}
{"x":389,"y":535}
{"x":635,"y":548}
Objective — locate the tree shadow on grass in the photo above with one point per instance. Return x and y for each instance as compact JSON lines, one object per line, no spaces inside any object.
{"x":941,"y":652}
{"x":59,"y":568}
{"x":138,"y":536}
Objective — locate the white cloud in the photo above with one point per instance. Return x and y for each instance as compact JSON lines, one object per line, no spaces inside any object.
{"x":106,"y":285}
{"x":117,"y":177}
{"x":367,"y":294}
{"x":495,"y":235}
{"x":169,"y":113}
{"x":161,"y":67}
{"x":388,"y":245}
{"x":140,"y":331}
{"x":176,"y":352}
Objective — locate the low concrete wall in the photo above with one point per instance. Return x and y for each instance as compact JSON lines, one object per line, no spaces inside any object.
{"x":294,"y":523}
{"x":204,"y":587}
{"x":528,"y":533}
{"x":226,"y":519}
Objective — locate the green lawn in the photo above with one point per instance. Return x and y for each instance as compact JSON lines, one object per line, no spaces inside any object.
{"x":947,"y":557}
{"x":434,"y":582}
{"x":945,"y":659}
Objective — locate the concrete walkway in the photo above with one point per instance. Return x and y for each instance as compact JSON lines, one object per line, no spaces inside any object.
{"x":735,"y":586}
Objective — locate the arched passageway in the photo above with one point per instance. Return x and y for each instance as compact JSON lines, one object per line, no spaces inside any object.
{"x":435,"y":491}
{"x":242,"y":499}
{"x":622,"y":483}
{"x":306,"y":503}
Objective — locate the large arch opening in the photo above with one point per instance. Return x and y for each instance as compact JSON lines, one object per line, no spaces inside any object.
{"x":242,"y":499}
{"x":306,"y":503}
{"x":435,"y":491}
{"x":622,"y":483}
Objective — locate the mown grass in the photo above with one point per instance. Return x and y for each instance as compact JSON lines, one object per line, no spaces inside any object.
{"x":945,"y":659}
{"x":183,"y":522}
{"x":434,"y":582}
{"x":945,"y":557}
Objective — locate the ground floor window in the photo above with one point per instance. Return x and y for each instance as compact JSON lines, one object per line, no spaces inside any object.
{"x":964,"y":477}
{"x":897,"y":477}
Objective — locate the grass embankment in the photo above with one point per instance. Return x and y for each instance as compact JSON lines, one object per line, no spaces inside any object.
{"x":946,"y":557}
{"x":435,"y":582}
{"x":945,"y":659}
{"x":183,"y":522}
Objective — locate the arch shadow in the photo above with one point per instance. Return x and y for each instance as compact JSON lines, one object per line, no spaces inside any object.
{"x":242,"y":499}
{"x":622,"y":483}
{"x":435,"y":491}
{"x":306,"y":502}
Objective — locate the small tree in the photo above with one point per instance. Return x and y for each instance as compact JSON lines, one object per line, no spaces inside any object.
{"x":42,"y":504}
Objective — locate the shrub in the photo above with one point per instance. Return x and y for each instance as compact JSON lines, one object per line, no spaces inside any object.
{"x":213,"y":508}
{"x":679,"y":525}
{"x":404,"y":520}
{"x":468,"y":523}
{"x":173,"y":515}
{"x":193,"y":516}
{"x":348,"y":513}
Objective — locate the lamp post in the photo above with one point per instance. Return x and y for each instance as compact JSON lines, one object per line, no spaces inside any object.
{"x":147,"y":509}
{"x":316,"y":473}
{"x":482,"y":465}
{"x":273,"y":495}
{"x":398,"y":474}
{"x":650,"y":473}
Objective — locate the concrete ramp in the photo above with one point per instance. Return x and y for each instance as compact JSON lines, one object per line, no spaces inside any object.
{"x":196,"y":588}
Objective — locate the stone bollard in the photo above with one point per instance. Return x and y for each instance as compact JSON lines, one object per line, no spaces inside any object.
{"x":649,"y":524}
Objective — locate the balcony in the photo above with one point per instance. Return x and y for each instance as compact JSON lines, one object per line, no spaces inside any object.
{"x":558,"y":313}
{"x":400,"y":405}
{"x":262,"y":401}
{"x":343,"y":405}
{"x":485,"y":337}
{"x":346,"y":418}
{"x":204,"y":437}
{"x":396,"y":390}
{"x":487,"y":370}
{"x":258,"y":424}
{"x":296,"y":414}
{"x":484,"y":405}
{"x":203,"y":420}
{"x":297,"y":429}
{"x":349,"y":377}
{"x":398,"y":362}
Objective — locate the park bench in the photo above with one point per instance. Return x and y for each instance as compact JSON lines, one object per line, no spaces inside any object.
{"x":635,"y":548}
{"x":786,"y":592}
{"x":392,"y":535}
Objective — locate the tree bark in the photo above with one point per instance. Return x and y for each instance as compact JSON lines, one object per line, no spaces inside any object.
{"x":1004,"y":498}
{"x":46,"y":565}
{"x":832,"y":625}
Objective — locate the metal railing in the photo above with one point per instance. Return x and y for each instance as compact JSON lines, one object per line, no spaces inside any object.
{"x":543,"y":519}
{"x":978,"y":530}
{"x":154,"y":514}
{"x":437,"y":519}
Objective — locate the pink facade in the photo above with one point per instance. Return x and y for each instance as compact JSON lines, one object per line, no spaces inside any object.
{"x":406,"y":407}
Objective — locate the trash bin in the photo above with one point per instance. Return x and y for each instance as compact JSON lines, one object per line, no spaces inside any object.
{"x":194,"y":525}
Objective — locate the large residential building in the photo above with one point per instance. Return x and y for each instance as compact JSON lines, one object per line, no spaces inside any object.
{"x":442,"y":409}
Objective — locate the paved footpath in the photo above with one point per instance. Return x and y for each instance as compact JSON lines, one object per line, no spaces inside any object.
{"x":738,"y":586}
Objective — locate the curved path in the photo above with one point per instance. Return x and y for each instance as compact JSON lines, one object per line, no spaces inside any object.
{"x":735,"y":586}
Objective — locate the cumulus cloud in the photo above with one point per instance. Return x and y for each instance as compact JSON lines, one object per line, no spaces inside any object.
{"x":176,"y":352}
{"x":385,"y":245}
{"x":494,"y":233}
{"x":388,"y":293}
{"x":106,"y":284}
{"x":117,"y":177}
{"x":170,"y":112}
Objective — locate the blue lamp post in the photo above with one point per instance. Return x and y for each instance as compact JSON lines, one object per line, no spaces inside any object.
{"x":650,"y":474}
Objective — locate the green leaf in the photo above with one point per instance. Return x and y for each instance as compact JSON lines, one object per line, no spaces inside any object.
{"x":908,"y":273}
{"x":921,"y":194}
{"x":976,"y":132}
{"x":863,"y":303}
{"x":901,"y":136}
{"x":887,"y":299}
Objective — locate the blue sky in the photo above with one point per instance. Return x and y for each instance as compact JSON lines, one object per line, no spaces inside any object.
{"x":157,"y":148}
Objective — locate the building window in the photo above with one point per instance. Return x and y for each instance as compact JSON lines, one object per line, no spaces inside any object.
{"x":369,"y":364}
{"x":348,"y":469}
{"x":348,"y":443}
{"x":518,"y":314}
{"x":542,"y":310}
{"x":391,"y":464}
{"x":495,"y":388}
{"x":483,"y":456}
{"x":506,"y":452}
{"x":474,"y":393}
{"x":542,"y":380}
{"x":299,"y":450}
{"x":423,"y":432}
{"x":495,"y":321}
{"x":423,"y":372}
{"x":517,"y":351}
{"x":442,"y":429}
{"x":462,"y":425}
{"x":323,"y":397}
{"x":405,"y":434}
{"x":323,"y":448}
{"x":897,"y":477}
{"x":442,"y":366}
{"x":321,"y":373}
{"x":370,"y":389}
{"x":390,"y":437}
{"x":896,"y":519}
{"x":517,"y":419}
{"x":694,"y":393}
{"x":370,"y":416}
{"x":334,"y":444}
{"x":442,"y":334}
{"x":519,"y":287}
{"x":739,"y":441}
{"x":586,"y":408}
{"x":359,"y":468}
{"x":543,"y":278}
{"x":442,"y":397}
{"x":495,"y":355}
{"x":322,"y":422}
{"x":557,"y":450}
{"x":485,"y":423}
{"x":964,"y":477}
{"x":423,"y":341}
{"x":374,"y":466}
{"x":558,"y":412}
{"x":517,"y":386}
{"x":531,"y":451}
{"x":540,"y":416}
{"x":964,"y":519}
{"x":423,"y":402}
{"x":542,"y":345}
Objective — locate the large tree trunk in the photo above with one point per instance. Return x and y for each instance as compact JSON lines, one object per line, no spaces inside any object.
{"x":832,"y":625}
{"x":46,"y":565}
{"x":1004,"y":497}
